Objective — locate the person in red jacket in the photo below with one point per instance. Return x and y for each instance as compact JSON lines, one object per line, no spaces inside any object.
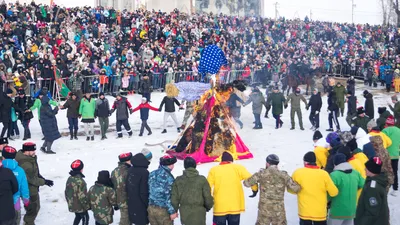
{"x":144,"y":108}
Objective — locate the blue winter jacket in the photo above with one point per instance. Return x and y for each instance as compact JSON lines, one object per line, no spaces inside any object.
{"x":160,"y":185}
{"x":23,"y":190}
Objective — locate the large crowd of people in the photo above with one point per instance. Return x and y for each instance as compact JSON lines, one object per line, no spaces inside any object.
{"x":103,"y":50}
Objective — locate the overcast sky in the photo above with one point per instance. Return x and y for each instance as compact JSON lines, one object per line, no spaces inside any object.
{"x":366,"y":11}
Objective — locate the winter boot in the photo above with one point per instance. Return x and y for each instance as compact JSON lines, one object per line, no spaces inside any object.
{"x":164,"y":131}
{"x":88,"y":138}
{"x":50,"y":152}
{"x":103,"y":138}
{"x":43,"y":149}
{"x":330,"y":129}
{"x":292,"y":128}
{"x":76,"y":135}
{"x":301,"y":128}
{"x":150,"y":133}
{"x":92,"y":138}
{"x":141,"y":134}
{"x":130,"y":134}
{"x":72,"y":135}
{"x":178,"y":129}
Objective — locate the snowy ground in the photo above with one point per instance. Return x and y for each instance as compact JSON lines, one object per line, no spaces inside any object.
{"x":98,"y":155}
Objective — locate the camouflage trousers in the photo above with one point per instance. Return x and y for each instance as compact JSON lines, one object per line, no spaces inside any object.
{"x":297,"y":111}
{"x":32,"y":210}
{"x":272,"y":213}
{"x":124,"y":217}
{"x":188,"y":113}
{"x":159,"y":216}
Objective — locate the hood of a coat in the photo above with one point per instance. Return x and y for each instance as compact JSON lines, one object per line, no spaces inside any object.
{"x":10,"y":164}
{"x":385,"y":114}
{"x":344,"y":167}
{"x":368,"y":96}
{"x":321,"y":143}
{"x":380,"y":178}
{"x":190,"y":172}
{"x":20,"y":157}
{"x":362,"y":137}
{"x":45,"y":100}
{"x":139,"y":160}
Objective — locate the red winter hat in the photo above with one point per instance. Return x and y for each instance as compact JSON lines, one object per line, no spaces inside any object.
{"x":28,"y":146}
{"x":77,"y":165}
{"x":167,"y":160}
{"x":9,"y":152}
{"x":124,"y":157}
{"x":390,"y":121}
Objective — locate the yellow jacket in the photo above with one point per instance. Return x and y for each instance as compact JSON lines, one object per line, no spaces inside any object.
{"x":387,"y":142}
{"x":321,"y":149}
{"x":312,"y":199}
{"x":362,"y":157}
{"x":357,"y":165}
{"x":226,"y":187}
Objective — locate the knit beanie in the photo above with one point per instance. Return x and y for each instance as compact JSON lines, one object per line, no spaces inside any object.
{"x":352,"y":144}
{"x":390,"y":121}
{"x":331,"y":137}
{"x":226,"y":157}
{"x":77,"y":165}
{"x":3,"y":141}
{"x":371,"y":124}
{"x":124,"y":157}
{"x":374,"y":165}
{"x":9,"y":152}
{"x":354,"y":130}
{"x":310,"y":157}
{"x":147,"y":153}
{"x":28,"y":146}
{"x":339,"y":158}
{"x":360,"y":110}
{"x":101,"y":94}
{"x":317,"y":135}
{"x":167,"y":160}
{"x":189,"y":162}
{"x":381,"y":110}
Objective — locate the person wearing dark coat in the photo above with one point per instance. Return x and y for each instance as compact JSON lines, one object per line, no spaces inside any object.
{"x":22,"y":104}
{"x":48,"y":121}
{"x":351,"y":107}
{"x":333,"y":110}
{"x":6,"y":104}
{"x":138,"y":190}
{"x":145,"y":88}
{"x":360,"y":120}
{"x":372,"y":208}
{"x":169,"y":111}
{"x":276,"y":100}
{"x":72,"y":106}
{"x":333,"y":140}
{"x":8,"y":187}
{"x":102,"y":112}
{"x":369,"y":104}
{"x":351,"y":85}
{"x":383,"y":115}
{"x":315,"y":103}
{"x":121,"y":105}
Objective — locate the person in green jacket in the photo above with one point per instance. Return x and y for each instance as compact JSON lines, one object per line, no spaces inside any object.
{"x":76,"y":193}
{"x":276,"y":100}
{"x":373,"y":206}
{"x":383,"y":115}
{"x":27,"y":160}
{"x":348,"y":181}
{"x":395,"y":109}
{"x":294,"y":99}
{"x":191,"y":195}
{"x":361,"y":120}
{"x":341,"y":92}
{"x":393,"y":133}
{"x":87,"y":109}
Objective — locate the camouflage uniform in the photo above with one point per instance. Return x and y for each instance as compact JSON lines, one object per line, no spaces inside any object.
{"x":295,"y":108}
{"x":102,"y":199}
{"x":271,"y":207}
{"x":160,"y":206}
{"x":118,"y":178}
{"x":188,"y":112}
{"x":76,"y":194}
{"x":383,"y":154}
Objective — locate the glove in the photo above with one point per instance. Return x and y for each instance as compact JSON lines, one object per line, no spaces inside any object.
{"x":316,"y":112}
{"x":286,"y":106}
{"x":49,"y":183}
{"x":26,"y":202}
{"x":80,"y":116}
{"x":116,"y":208}
{"x":254,"y":194}
{"x":130,"y":111}
{"x":307,"y":107}
{"x":329,"y":111}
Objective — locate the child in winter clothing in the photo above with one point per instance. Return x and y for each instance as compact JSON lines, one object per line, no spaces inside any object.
{"x":102,"y":199}
{"x":72,"y":106}
{"x":76,"y":193}
{"x":9,"y":162}
{"x":144,"y":108}
{"x":125,"y":81}
{"x":22,"y":103}
{"x":86,"y":112}
{"x":320,"y":149}
{"x":121,"y":106}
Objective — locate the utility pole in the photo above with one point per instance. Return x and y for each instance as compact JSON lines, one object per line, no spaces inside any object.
{"x":276,"y":10}
{"x":353,"y":6}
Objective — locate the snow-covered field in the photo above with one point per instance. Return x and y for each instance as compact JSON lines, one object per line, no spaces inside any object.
{"x":98,"y":155}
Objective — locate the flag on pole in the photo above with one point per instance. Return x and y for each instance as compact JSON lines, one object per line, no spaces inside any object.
{"x":212,"y":58}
